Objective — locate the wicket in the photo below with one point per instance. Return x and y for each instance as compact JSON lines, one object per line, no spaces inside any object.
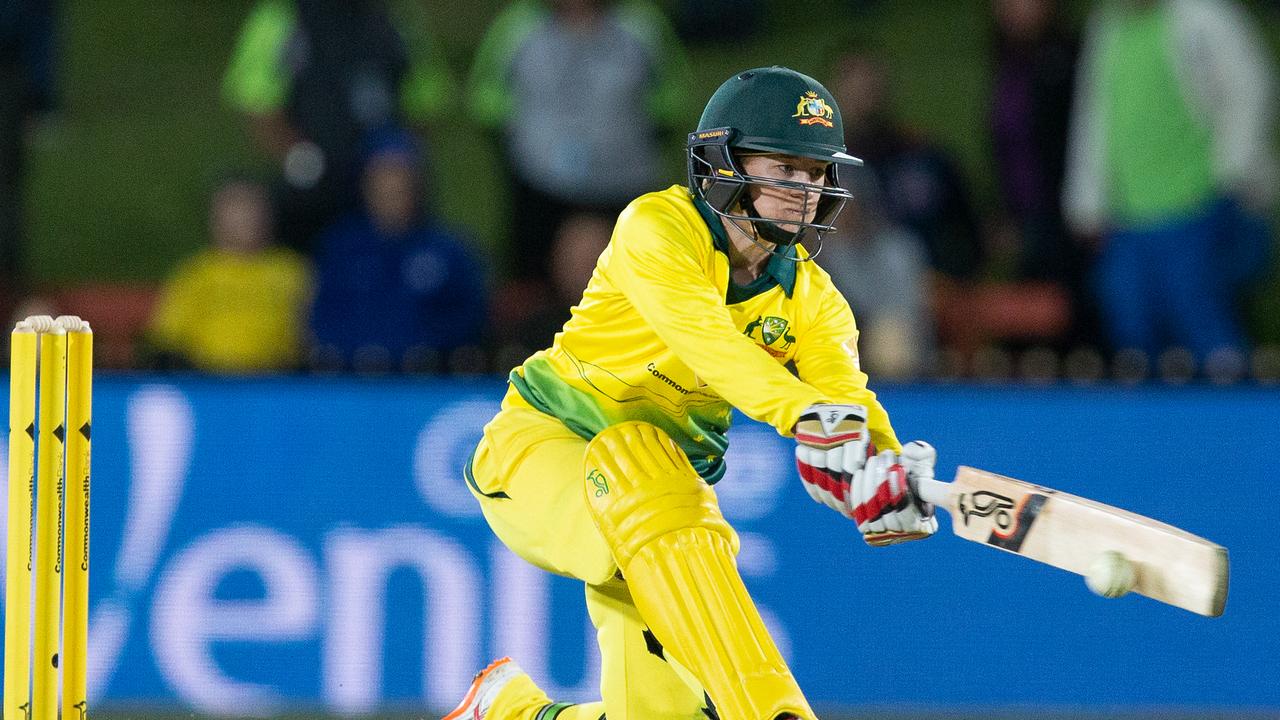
{"x":50,"y":410}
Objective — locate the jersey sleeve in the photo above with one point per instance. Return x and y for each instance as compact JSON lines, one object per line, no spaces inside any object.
{"x":654,"y":262}
{"x":827,"y":359}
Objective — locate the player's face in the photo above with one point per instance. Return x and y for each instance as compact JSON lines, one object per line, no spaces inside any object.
{"x":782,"y":204}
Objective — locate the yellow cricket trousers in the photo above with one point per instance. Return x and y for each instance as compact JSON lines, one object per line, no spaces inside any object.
{"x":527,"y":474}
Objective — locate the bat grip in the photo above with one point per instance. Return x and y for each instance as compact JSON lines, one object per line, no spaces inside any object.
{"x":932,"y":491}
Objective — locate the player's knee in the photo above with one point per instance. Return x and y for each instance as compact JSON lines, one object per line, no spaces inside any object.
{"x":640,"y":487}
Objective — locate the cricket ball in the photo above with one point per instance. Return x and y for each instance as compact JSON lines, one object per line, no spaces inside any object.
{"x":1111,"y":575}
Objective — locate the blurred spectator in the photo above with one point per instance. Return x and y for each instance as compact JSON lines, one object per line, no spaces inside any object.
{"x":1034,"y":74}
{"x":882,"y":269}
{"x":393,"y":287}
{"x":313,"y":76}
{"x":239,"y":305}
{"x":1172,"y":164}
{"x":1030,"y":105}
{"x":26,"y":92}
{"x":579,"y":92}
{"x":922,"y":185}
{"x":577,"y":245}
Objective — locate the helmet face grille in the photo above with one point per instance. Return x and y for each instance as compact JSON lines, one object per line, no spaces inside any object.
{"x":715,"y":177}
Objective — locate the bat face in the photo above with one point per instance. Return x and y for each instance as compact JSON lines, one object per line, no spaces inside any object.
{"x":1070,"y":532}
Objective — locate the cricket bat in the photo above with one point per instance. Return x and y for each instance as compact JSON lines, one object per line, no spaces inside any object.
{"x":1070,"y":532}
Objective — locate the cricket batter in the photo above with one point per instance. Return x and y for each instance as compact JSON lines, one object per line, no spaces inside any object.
{"x":601,"y":464}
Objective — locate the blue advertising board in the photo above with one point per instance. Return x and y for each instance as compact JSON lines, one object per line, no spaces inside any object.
{"x":270,"y":544}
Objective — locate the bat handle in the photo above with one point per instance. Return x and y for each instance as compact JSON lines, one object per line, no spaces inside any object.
{"x":932,"y":491}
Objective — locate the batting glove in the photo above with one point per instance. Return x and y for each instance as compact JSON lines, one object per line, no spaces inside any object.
{"x":885,"y":505}
{"x":840,"y":468}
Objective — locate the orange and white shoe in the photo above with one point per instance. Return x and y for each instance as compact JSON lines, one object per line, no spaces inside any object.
{"x":484,"y":688}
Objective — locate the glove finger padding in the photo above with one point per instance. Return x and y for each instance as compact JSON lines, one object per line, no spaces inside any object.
{"x":805,"y":462}
{"x":823,"y":484}
{"x":874,"y":490}
{"x":887,"y":511}
{"x":839,"y":477}
{"x":919,"y":458}
{"x":863,"y":480}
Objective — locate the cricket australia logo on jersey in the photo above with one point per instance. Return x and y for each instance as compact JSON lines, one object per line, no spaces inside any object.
{"x":814,"y":110}
{"x":773,"y":335}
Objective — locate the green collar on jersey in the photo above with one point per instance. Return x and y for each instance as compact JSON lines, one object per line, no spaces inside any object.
{"x":780,"y":270}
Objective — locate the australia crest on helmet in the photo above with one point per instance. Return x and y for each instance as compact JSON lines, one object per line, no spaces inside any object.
{"x":814,"y":110}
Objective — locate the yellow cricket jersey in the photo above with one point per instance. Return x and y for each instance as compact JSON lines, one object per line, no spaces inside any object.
{"x":234,"y":313}
{"x":662,"y":335}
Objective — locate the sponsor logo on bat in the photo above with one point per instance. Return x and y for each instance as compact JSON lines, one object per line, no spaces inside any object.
{"x":1011,"y":538}
{"x":986,"y":504}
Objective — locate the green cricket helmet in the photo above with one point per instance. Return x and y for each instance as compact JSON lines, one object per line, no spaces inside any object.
{"x":768,"y":110}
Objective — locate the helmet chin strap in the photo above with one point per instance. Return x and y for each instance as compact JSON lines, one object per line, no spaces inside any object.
{"x":769,"y":231}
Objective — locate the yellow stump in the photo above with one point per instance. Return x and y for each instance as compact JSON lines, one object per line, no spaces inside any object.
{"x":49,"y":507}
{"x":17,"y":616}
{"x":75,"y":578}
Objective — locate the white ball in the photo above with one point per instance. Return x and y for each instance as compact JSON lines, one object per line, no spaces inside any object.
{"x":1111,"y":575}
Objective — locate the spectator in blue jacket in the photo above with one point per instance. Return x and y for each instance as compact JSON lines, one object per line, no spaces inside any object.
{"x":393,"y":286}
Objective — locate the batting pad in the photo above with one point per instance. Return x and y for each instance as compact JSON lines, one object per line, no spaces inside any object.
{"x":676,"y":552}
